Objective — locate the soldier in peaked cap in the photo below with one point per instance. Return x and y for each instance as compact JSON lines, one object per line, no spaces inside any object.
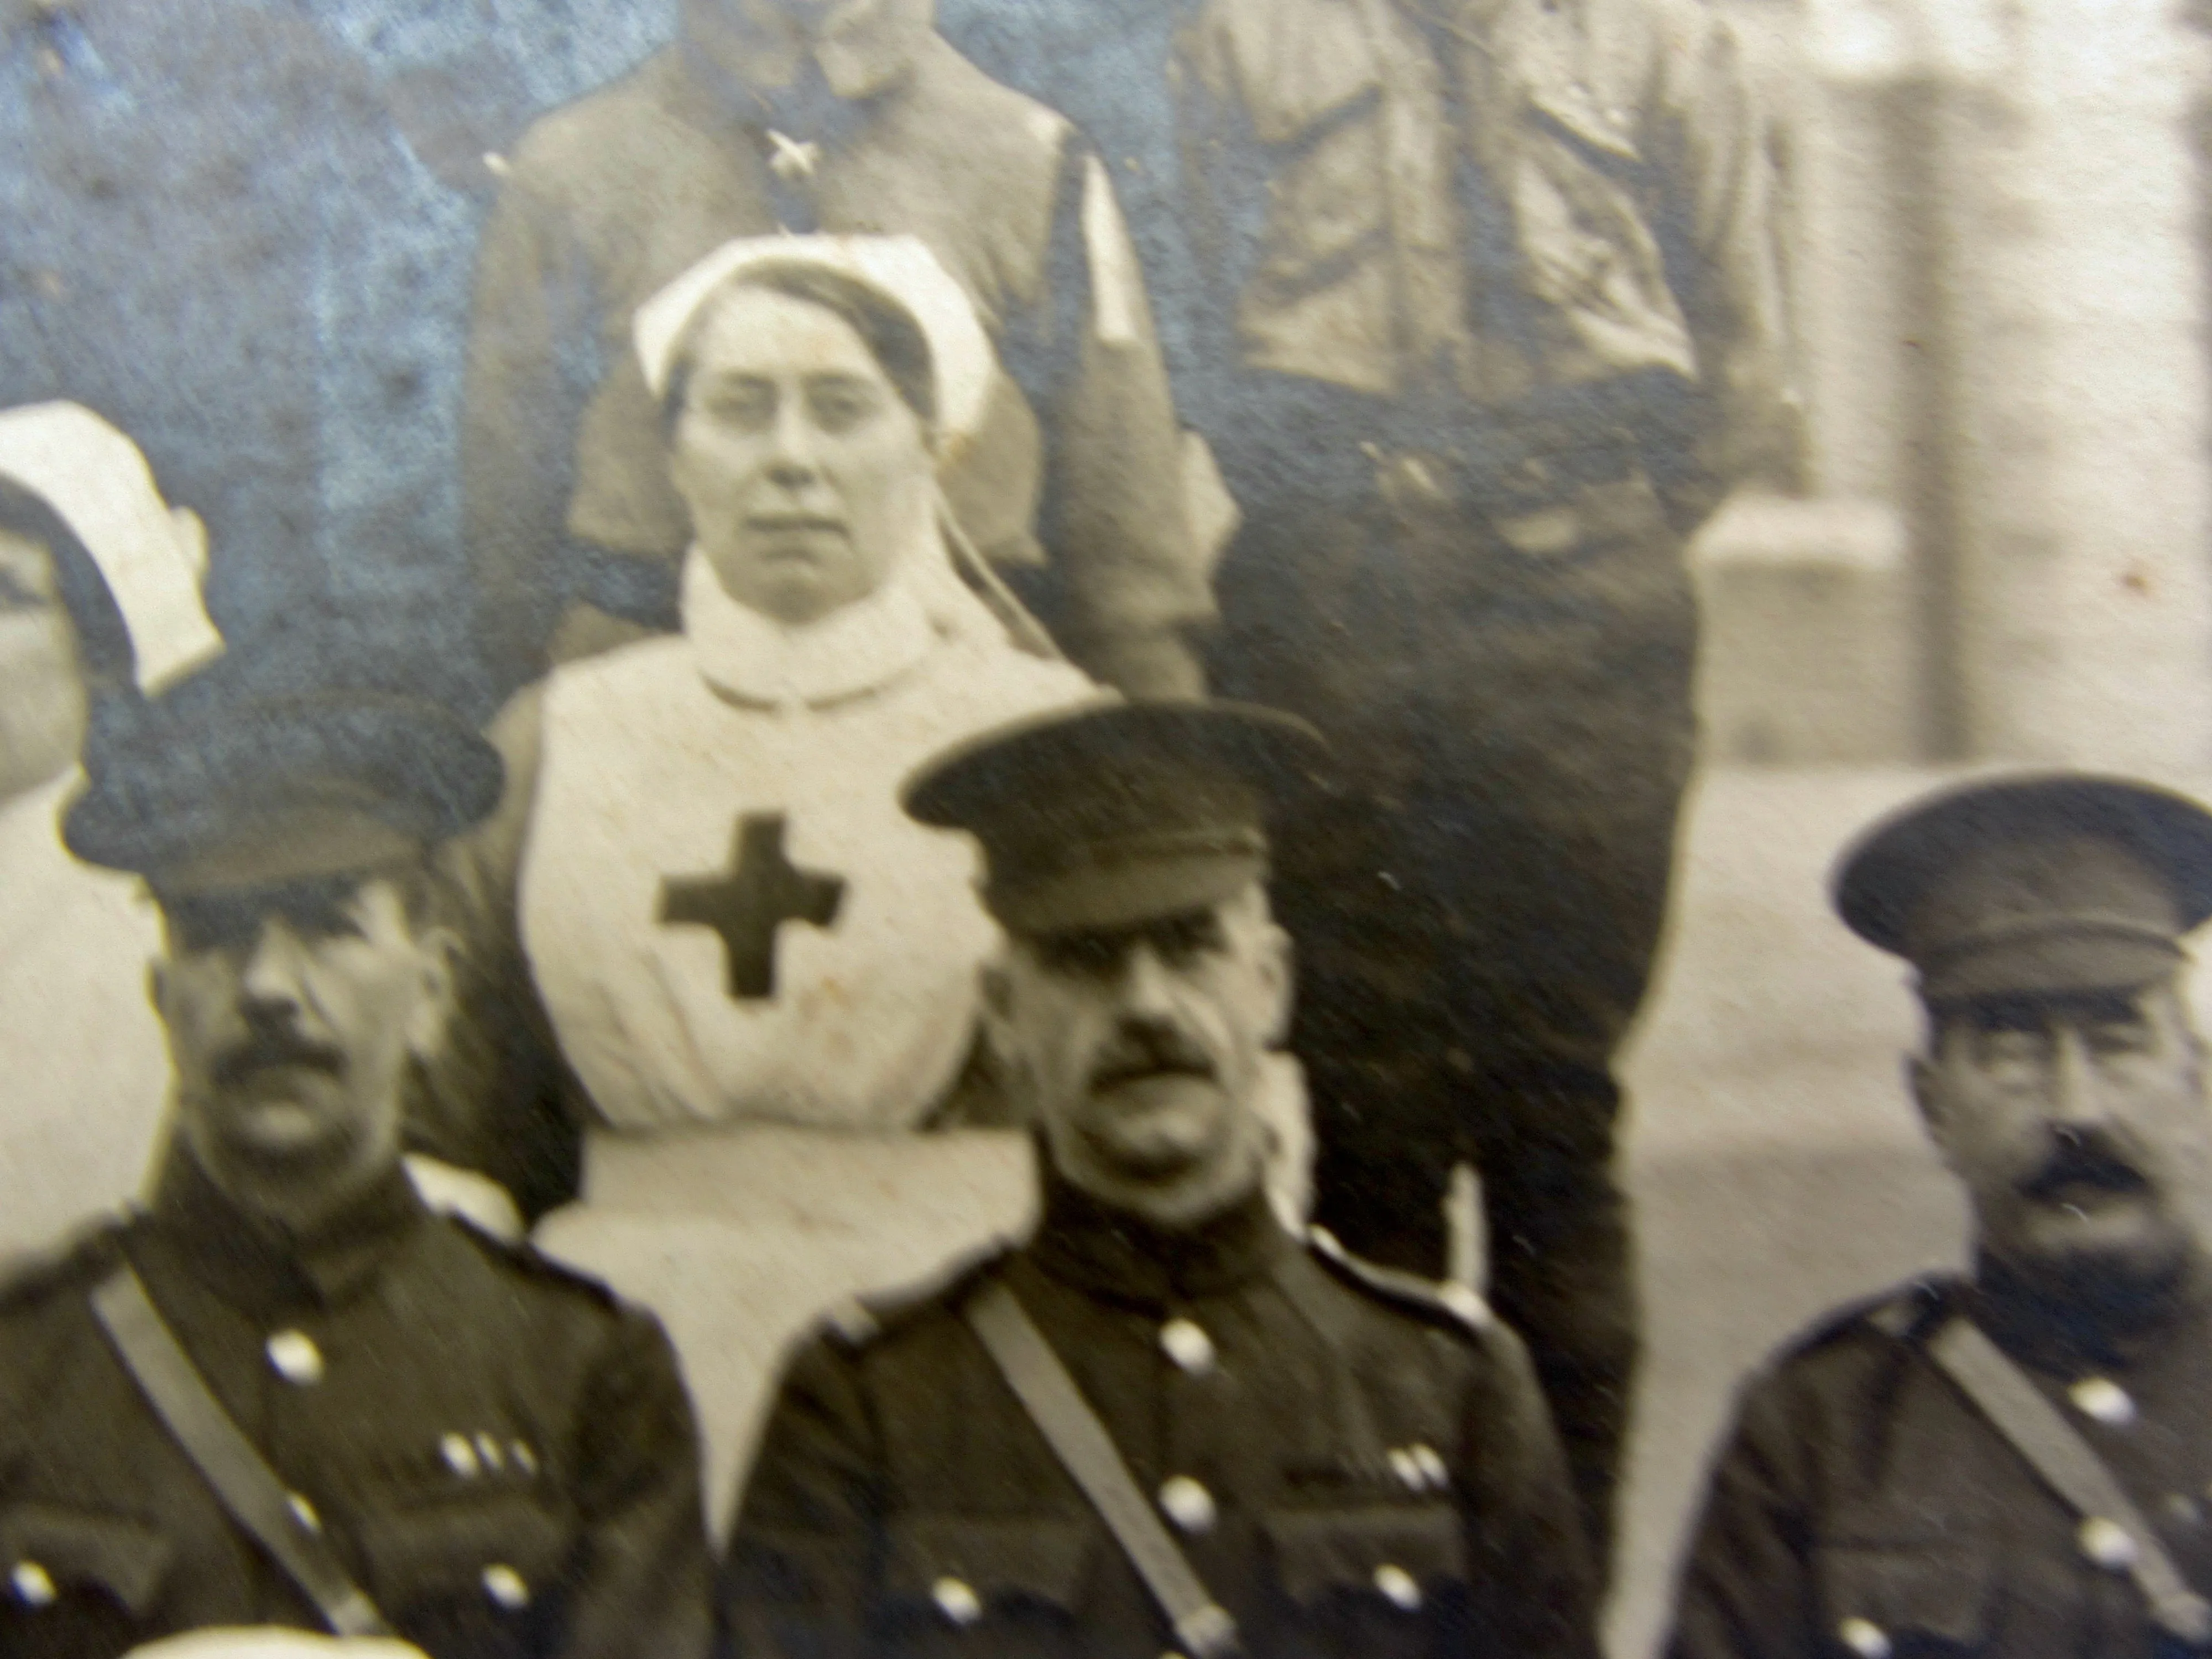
{"x":1162,"y":1423}
{"x":2018,"y":1462}
{"x":286,"y":1393}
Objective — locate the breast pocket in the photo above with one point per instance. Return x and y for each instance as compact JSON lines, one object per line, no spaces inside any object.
{"x":76,"y":1580}
{"x":1905,"y":1598}
{"x":480,"y":1575}
{"x":1372,"y":1580}
{"x":955,"y":1583}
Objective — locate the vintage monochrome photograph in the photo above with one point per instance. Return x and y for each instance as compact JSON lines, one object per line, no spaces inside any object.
{"x":1141,"y":829}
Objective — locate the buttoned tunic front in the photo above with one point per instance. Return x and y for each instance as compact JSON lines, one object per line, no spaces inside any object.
{"x":501,"y":1454}
{"x":1864,"y":1506}
{"x":1351,"y":1469}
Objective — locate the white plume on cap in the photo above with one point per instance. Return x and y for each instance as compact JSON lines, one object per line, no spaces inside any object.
{"x":902,"y":267}
{"x":97,"y":481}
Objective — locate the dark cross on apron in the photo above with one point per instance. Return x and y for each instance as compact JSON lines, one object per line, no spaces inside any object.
{"x":762,"y":891}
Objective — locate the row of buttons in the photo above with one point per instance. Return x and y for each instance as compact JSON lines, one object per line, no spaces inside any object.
{"x":956,"y":1599}
{"x":32,"y":1586}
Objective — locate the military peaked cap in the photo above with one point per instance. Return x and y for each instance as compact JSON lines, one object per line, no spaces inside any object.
{"x":221,"y":784}
{"x":2035,"y":884}
{"x":1114,"y":813}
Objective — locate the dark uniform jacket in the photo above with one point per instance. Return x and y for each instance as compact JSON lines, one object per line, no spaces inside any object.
{"x":1352,"y":1469}
{"x":502,"y":1456}
{"x":1864,"y":1506}
{"x":615,"y":195}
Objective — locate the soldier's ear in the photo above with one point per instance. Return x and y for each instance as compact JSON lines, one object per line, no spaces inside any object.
{"x":1279,"y":965}
{"x":439,"y":950}
{"x":1928,"y":1096}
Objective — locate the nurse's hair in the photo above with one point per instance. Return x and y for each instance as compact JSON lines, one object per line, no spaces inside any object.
{"x":889,"y":331}
{"x":104,"y":652}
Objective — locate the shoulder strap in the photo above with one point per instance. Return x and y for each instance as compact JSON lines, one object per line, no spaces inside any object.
{"x":242,"y":1481}
{"x":1079,"y":1440}
{"x":2069,"y":1466}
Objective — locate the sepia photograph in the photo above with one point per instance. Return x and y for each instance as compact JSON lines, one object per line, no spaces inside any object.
{"x":1144,"y":829}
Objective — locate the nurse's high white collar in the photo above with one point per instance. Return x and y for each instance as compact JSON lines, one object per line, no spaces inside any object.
{"x":855,"y":649}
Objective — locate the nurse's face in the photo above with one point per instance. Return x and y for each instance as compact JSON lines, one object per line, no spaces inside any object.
{"x":805,"y":471}
{"x":42,"y":694}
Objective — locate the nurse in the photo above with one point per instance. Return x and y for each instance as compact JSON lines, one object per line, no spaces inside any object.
{"x":700,"y":925}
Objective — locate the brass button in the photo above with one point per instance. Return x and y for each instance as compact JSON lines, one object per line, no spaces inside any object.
{"x":507,"y":1588}
{"x":1864,"y":1637}
{"x":33,"y":1586}
{"x":1185,"y":1341}
{"x":956,"y":1599}
{"x":295,"y":1358}
{"x":2108,"y":1543}
{"x":2103,"y":1401}
{"x":1398,"y":1586}
{"x":303,"y":1512}
{"x":459,"y":1454}
{"x":1189,"y":1504}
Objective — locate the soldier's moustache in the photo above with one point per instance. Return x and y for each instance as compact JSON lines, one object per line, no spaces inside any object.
{"x":271,"y":1044}
{"x":1143,"y":1048}
{"x":2079,"y":1160}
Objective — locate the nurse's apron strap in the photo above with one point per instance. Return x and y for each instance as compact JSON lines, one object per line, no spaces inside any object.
{"x":2069,"y":1466}
{"x":241,"y":1479}
{"x":1079,"y":1440}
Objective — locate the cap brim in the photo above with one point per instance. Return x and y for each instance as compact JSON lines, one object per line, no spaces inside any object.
{"x":1881,"y":876}
{"x":2061,"y":964}
{"x":1104,"y":897}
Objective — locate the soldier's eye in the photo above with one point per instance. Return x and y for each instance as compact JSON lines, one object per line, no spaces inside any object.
{"x":1181,"y":940}
{"x":747,"y":406}
{"x":1086,"y":955}
{"x":18,"y":594}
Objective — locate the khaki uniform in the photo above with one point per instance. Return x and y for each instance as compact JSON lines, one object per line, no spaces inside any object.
{"x":1351,"y":1467}
{"x":501,"y":1454}
{"x":1864,"y":1506}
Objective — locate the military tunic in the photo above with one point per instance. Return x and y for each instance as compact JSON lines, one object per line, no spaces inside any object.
{"x":1352,"y":1470}
{"x":501,"y":1454}
{"x":1864,"y":1506}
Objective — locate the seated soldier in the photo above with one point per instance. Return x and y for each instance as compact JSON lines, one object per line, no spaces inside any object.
{"x":2017,"y":1462}
{"x":1162,"y":1423}
{"x":98,"y":602}
{"x":287,"y":1395}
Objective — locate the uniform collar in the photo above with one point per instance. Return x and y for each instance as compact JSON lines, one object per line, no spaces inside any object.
{"x":857,"y":648}
{"x":252,"y":1261}
{"x":859,"y":49}
{"x":1122,"y":1257}
{"x":2071,"y":1338}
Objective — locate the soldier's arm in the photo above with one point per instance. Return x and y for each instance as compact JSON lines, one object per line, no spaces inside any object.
{"x":1746,"y":1585}
{"x":1131,"y":585}
{"x":642,"y":1581}
{"x":1534,"y":1592}
{"x":533,"y":361}
{"x":1706,"y":142}
{"x":799,"y":1575}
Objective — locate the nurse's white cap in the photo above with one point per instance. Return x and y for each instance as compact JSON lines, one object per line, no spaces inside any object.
{"x":151,"y":558}
{"x":902,"y":267}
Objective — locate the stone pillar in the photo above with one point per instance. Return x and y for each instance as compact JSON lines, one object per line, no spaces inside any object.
{"x":2084,"y":610}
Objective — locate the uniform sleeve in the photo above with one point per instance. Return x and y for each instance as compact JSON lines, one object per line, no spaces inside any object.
{"x":1719,"y":232}
{"x":1746,"y":1590}
{"x":1536,"y":1594}
{"x":533,"y":361}
{"x":1131,"y":582}
{"x":798,"y":1574}
{"x":643,"y":1587}
{"x":495,"y":1096}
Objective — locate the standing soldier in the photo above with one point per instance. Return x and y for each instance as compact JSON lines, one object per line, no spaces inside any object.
{"x":844,"y":117}
{"x":1163,"y":1423}
{"x":2017,"y":1463}
{"x":1488,"y":294}
{"x":286,"y":1395}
